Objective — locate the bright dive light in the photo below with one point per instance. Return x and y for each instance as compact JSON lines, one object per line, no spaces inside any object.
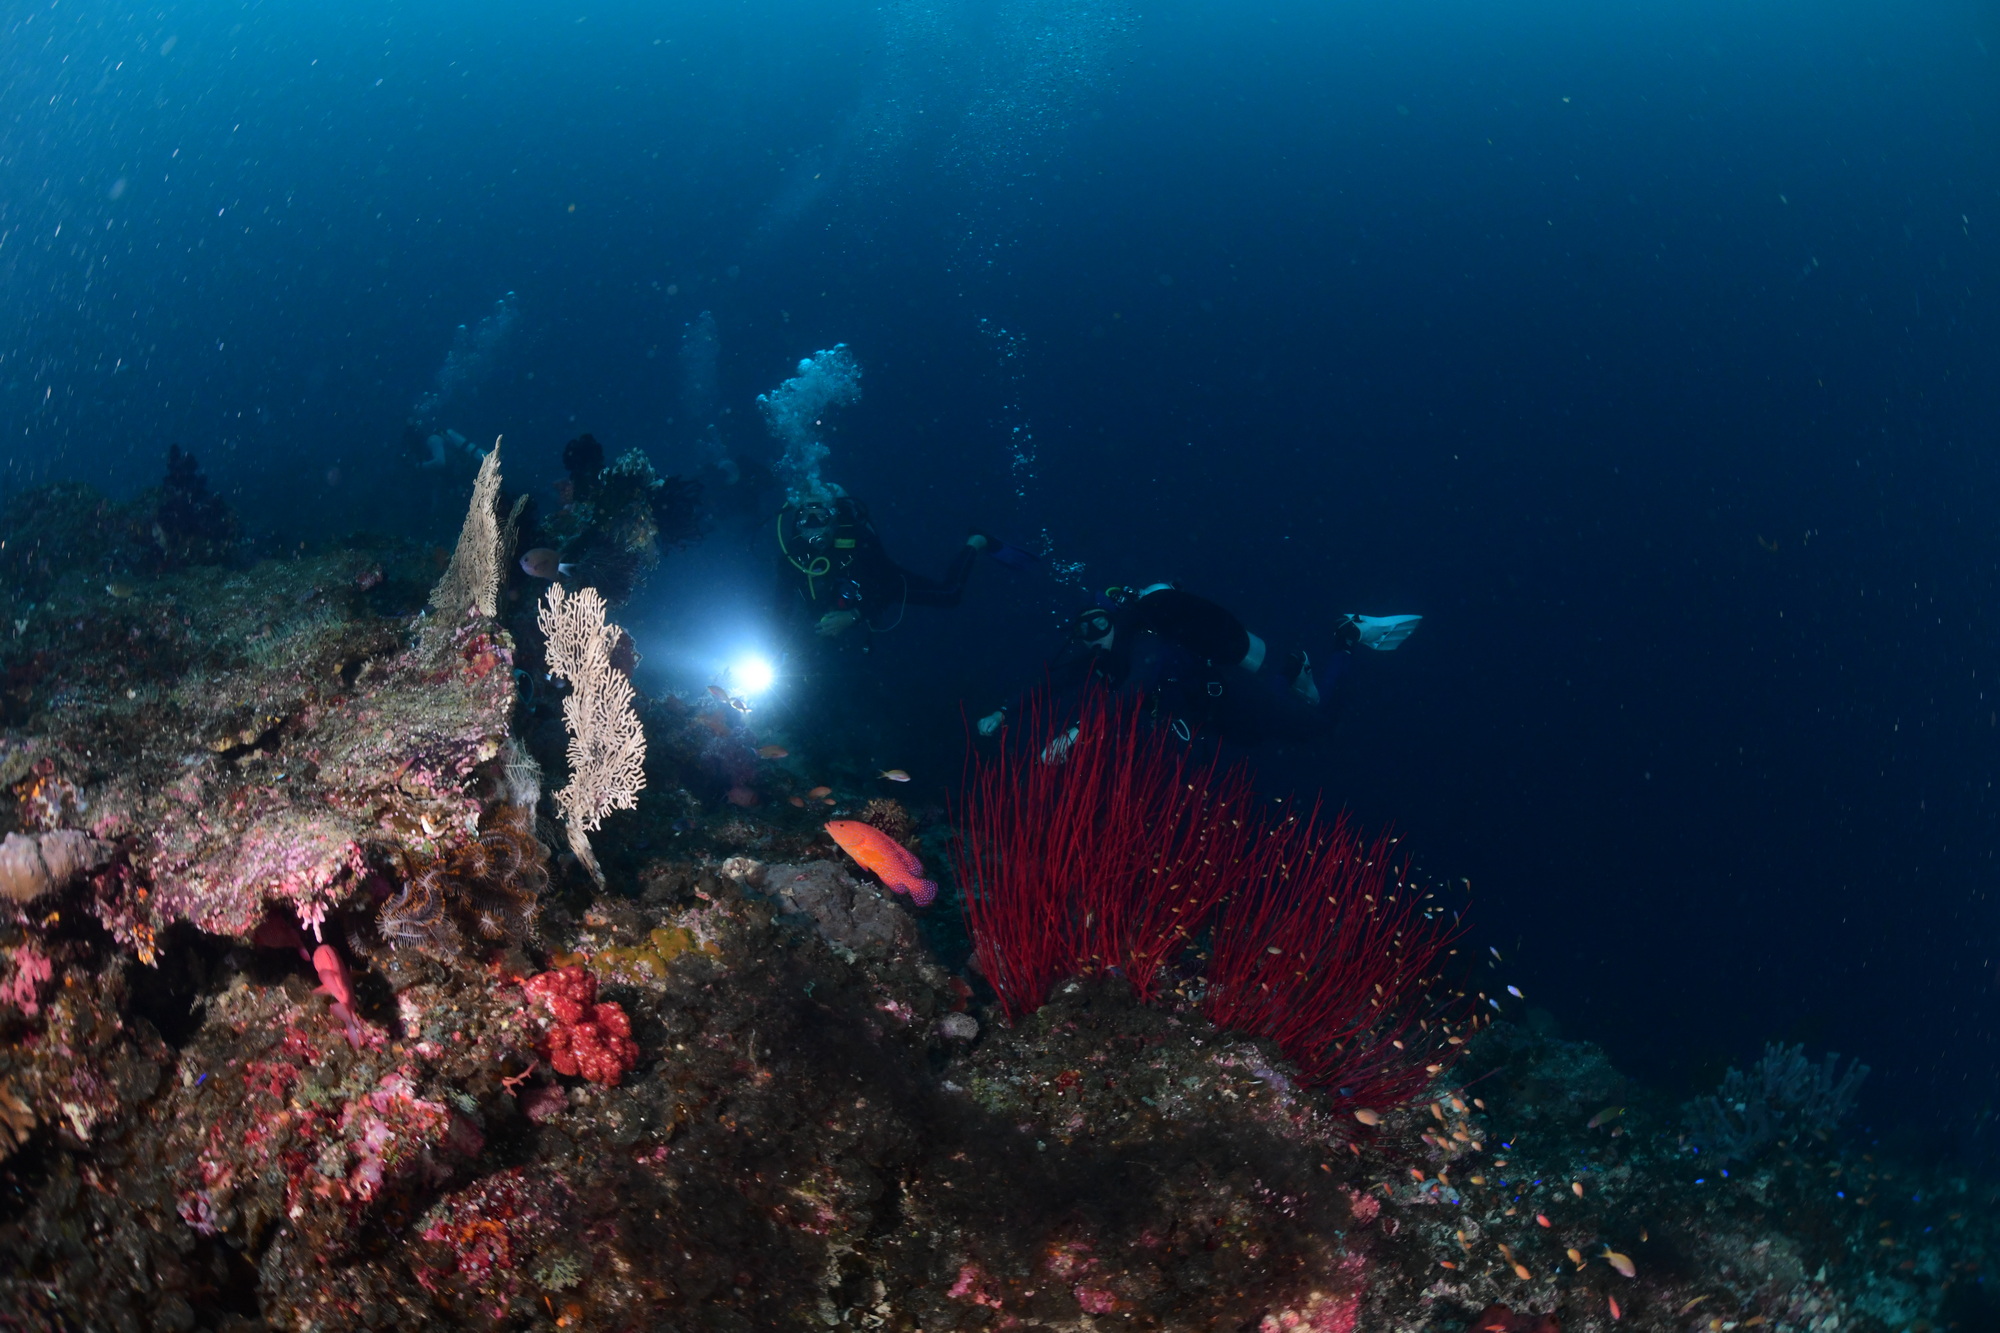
{"x":753,"y":674}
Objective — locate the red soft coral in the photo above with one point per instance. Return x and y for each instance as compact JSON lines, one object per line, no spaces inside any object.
{"x":565,"y":992}
{"x":588,"y":1038}
{"x":1497,"y":1318}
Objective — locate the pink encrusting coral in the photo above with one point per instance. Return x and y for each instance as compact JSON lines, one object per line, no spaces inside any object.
{"x":1072,"y":1261}
{"x":321,"y":742}
{"x":1325,"y":1312}
{"x":31,"y":971}
{"x":302,"y":858}
{"x":386,"y":1129}
{"x":482,"y":1245}
{"x":973,"y":1285}
{"x":304,"y":1130}
{"x":588,"y":1039}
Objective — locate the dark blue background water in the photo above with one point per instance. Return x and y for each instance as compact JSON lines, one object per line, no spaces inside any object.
{"x":1646,"y":349}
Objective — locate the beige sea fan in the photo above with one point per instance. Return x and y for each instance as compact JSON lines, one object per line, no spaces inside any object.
{"x":472,"y":579}
{"x":607,"y":745}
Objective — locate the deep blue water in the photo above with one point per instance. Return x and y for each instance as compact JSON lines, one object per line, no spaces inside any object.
{"x":1646,"y":349}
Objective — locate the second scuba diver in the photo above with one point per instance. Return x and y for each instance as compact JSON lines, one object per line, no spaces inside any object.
{"x":831,"y":564}
{"x":1201,"y":667}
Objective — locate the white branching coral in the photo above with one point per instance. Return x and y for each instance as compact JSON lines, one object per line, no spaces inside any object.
{"x":607,"y":746}
{"x":472,"y":579}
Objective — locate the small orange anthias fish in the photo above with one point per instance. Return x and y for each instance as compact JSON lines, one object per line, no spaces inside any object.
{"x":772,"y":752}
{"x":892,"y":862}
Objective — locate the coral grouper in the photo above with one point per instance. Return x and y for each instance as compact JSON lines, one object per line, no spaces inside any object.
{"x":897,"y":866}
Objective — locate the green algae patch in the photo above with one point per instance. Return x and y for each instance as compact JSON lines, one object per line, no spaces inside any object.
{"x":647,"y":962}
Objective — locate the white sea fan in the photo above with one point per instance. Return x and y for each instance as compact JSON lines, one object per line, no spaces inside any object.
{"x":607,"y":744}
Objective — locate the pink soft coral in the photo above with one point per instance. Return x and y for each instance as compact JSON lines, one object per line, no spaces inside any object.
{"x":588,"y":1038}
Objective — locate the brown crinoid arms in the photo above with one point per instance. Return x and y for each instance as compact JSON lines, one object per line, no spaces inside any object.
{"x":887,"y":813}
{"x":486,"y":890}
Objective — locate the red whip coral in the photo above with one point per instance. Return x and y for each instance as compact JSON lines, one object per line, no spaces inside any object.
{"x":1330,"y":951}
{"x":588,"y":1038}
{"x":1108,"y":847}
{"x":1107,"y":850}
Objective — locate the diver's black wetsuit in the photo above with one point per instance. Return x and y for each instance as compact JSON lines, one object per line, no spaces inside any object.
{"x":841,"y":566}
{"x":1186,"y":654}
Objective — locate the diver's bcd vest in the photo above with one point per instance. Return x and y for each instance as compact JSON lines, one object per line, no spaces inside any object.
{"x":828,"y":559}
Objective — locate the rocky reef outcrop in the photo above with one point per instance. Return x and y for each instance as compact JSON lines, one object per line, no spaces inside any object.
{"x":230,"y":1100}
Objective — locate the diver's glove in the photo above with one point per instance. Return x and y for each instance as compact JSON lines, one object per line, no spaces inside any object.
{"x":1382,"y":633}
{"x":1303,"y":684}
{"x":836,"y":622}
{"x":992,"y":722}
{"x":1057,"y":751}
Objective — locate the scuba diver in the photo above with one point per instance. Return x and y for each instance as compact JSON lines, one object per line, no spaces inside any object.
{"x":1201,"y":667}
{"x":433,"y":449}
{"x":831,"y":562}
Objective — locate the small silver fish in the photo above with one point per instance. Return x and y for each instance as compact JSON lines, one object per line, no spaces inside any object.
{"x":542,"y":563}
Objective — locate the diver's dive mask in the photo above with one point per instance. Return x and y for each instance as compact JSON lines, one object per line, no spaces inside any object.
{"x":814,"y":525}
{"x":1095,"y":628}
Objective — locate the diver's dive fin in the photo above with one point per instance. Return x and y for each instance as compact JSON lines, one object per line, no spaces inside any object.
{"x":1012,"y":556}
{"x":1383,"y":633}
